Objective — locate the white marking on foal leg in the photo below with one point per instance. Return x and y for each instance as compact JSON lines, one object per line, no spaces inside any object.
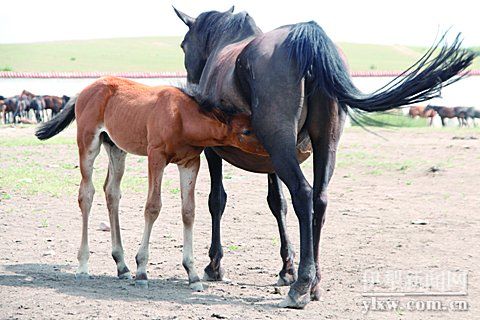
{"x":188,"y":177}
{"x":88,"y":153}
{"x":156,"y":165}
{"x":116,"y":168}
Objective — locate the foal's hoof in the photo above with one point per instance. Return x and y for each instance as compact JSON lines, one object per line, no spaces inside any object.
{"x":142,"y":284}
{"x":125,"y":276}
{"x":213,"y":275}
{"x":196,"y":286}
{"x":82,"y":276}
{"x":298,"y":302}
{"x":286,"y":279}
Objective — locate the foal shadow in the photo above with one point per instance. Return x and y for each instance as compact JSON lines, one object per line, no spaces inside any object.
{"x":61,"y":278}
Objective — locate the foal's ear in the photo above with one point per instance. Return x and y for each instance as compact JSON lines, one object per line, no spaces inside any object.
{"x":189,"y":21}
{"x":230,"y":10}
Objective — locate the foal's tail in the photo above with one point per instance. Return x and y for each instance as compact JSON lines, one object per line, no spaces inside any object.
{"x":317,"y":57}
{"x":58,"y":123}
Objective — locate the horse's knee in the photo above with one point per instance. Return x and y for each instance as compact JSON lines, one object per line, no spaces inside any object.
{"x":112,"y":195}
{"x":301,"y":195}
{"x":217,"y":200}
{"x":320,"y":202}
{"x":188,"y":215}
{"x":152,"y":210}
{"x":85,"y":195}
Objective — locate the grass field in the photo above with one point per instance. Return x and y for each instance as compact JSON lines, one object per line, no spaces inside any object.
{"x":157,"y":54}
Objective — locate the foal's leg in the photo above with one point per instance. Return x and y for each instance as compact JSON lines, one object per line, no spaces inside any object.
{"x":278,"y":206}
{"x":188,"y":178}
{"x":216,"y":204}
{"x":88,"y":146}
{"x":116,"y":168}
{"x":156,"y":165}
{"x":325,"y":124}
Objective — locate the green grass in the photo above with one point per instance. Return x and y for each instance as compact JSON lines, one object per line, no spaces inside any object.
{"x":156,"y":54}
{"x":109,"y":55}
{"x":393,"y":120}
{"x":33,"y":141}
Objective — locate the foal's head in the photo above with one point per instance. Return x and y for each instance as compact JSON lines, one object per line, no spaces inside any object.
{"x":242,"y":136}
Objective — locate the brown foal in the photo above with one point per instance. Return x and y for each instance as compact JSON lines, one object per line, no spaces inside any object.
{"x":162,"y":123}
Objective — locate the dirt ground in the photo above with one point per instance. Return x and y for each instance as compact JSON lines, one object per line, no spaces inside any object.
{"x":379,"y":188}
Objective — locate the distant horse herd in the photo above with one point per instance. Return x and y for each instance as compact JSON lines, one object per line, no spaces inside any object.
{"x":28,"y":106}
{"x":464,"y":115}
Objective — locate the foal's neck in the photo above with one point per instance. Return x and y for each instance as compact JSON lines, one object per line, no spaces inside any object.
{"x":205,"y":131}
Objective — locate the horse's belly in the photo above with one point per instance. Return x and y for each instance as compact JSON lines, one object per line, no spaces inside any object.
{"x":130,"y":141}
{"x":254,"y":163}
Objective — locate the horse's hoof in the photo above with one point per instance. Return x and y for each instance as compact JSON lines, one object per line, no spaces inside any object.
{"x":298,"y":303}
{"x":125,"y":276}
{"x":196,"y":286}
{"x":142,"y":284}
{"x":211,"y":275}
{"x":82,"y":276}
{"x":286,"y":280}
{"x":316,"y":294}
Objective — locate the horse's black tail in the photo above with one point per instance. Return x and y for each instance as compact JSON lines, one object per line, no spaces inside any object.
{"x":59,"y":122}
{"x":317,"y":57}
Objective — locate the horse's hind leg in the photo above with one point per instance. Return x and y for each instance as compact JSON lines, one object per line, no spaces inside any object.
{"x":216,"y":205}
{"x":188,"y":178}
{"x":156,"y":165}
{"x":278,"y":206}
{"x":116,"y":168}
{"x":274,"y":122}
{"x":88,"y":146}
{"x":325,"y":124}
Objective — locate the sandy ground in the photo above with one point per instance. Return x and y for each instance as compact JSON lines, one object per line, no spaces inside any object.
{"x":379,"y":188}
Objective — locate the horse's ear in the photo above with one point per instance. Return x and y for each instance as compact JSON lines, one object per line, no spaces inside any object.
{"x":230,"y":10}
{"x":189,"y":21}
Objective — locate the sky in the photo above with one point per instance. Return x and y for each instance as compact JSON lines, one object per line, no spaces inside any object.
{"x":405,"y":22}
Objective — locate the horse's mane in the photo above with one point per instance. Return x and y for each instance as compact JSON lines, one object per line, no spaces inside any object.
{"x":215,"y":111}
{"x":213,"y":25}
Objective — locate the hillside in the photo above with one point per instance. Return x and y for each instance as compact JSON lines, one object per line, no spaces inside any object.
{"x":156,"y":54}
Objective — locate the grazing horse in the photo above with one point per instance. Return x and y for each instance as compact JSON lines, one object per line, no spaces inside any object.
{"x":297,"y":88}
{"x":443,"y":112}
{"x":37,"y":104}
{"x":54,"y":103}
{"x":10,"y":109}
{"x":419,"y":111}
{"x":162,"y":123}
{"x":463,"y":114}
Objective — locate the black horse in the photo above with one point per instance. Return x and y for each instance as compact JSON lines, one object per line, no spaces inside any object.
{"x":295,"y":85}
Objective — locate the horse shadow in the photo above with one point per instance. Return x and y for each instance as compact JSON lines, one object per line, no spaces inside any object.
{"x":61,"y":278}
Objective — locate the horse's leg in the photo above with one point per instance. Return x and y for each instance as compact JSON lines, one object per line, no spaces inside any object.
{"x":156,"y":164}
{"x":443,"y":121}
{"x":188,"y":178}
{"x":278,"y":206}
{"x":325,"y":124}
{"x":275,"y":123}
{"x":116,"y":168}
{"x":216,"y":205}
{"x":88,"y":146}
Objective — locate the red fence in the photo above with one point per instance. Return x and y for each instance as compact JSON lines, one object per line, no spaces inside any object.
{"x":139,"y":75}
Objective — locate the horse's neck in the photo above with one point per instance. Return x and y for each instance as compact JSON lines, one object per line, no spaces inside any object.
{"x":218,"y":84}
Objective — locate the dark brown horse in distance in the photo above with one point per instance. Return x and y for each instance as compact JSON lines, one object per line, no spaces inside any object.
{"x":162,"y":123}
{"x":297,"y":88}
